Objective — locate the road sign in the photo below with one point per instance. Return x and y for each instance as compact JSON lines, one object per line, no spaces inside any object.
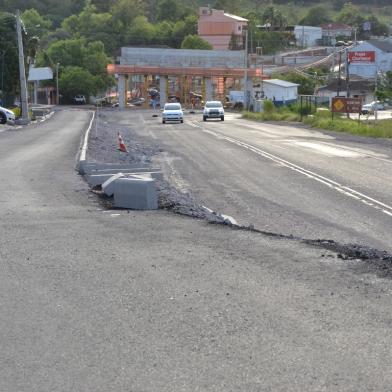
{"x":361,"y":57}
{"x":346,"y":105}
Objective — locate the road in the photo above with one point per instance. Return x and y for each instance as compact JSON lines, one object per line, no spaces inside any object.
{"x":285,"y":179}
{"x":103,"y":300}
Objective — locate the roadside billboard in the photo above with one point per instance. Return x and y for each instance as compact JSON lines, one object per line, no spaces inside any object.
{"x":362,"y":57}
{"x":346,"y":105}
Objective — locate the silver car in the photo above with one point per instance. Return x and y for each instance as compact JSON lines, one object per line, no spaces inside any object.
{"x":213,"y":109}
{"x":172,"y":112}
{"x":6,"y":116}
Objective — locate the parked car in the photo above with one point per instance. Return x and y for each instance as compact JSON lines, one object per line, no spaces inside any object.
{"x":79,"y":99}
{"x":172,"y":112}
{"x":6,"y":116}
{"x":136,"y":101}
{"x":213,"y":109}
{"x":367,"y":109}
{"x":370,"y":108}
{"x":378,"y":105}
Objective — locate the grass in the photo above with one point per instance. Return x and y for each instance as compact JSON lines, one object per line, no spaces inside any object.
{"x":381,"y":128}
{"x":323,"y":120}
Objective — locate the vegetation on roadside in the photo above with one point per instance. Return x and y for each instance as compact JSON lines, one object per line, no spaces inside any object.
{"x":323,"y":120}
{"x":272,"y":113}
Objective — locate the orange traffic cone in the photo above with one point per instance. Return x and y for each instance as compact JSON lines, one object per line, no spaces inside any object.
{"x":121,"y":144}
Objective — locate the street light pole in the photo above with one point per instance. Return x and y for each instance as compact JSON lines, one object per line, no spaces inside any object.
{"x":22,"y":73}
{"x":57,"y":84}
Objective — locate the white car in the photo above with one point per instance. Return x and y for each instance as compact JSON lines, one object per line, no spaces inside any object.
{"x":370,"y":108}
{"x":6,"y":116}
{"x":213,"y":109}
{"x":378,"y":105}
{"x":79,"y":99}
{"x":172,"y":112}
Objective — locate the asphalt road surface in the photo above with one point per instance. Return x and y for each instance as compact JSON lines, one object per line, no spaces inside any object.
{"x":284,"y":179}
{"x":105,"y":300}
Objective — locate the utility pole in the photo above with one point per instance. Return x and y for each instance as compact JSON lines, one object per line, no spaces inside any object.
{"x":57,"y":84}
{"x":347,"y":74}
{"x":22,"y":73}
{"x":375,"y":96}
{"x":339,"y":73}
{"x":246,"y":68}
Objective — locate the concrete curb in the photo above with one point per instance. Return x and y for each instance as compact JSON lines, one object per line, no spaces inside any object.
{"x":83,"y":154}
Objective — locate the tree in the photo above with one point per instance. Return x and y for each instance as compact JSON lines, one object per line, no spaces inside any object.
{"x":316,"y":16}
{"x":272,"y":41}
{"x":125,"y":11}
{"x":232,"y":6}
{"x":75,"y":55}
{"x":306,"y":83}
{"x":384,"y":88}
{"x":103,"y":5}
{"x":9,"y":66}
{"x":94,"y":26}
{"x":140,"y":32}
{"x":195,"y":42}
{"x":168,"y":10}
{"x":76,"y":80}
{"x":35,"y":24}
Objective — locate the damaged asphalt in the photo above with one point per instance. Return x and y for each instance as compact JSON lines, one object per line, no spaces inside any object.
{"x":102,"y":148}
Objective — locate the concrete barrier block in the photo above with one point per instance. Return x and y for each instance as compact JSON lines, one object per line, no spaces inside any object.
{"x":135,"y":193}
{"x":92,"y":166}
{"x":98,"y":179}
{"x":108,"y":185}
{"x":125,"y":170}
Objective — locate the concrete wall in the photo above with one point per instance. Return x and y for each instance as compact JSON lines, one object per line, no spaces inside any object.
{"x":182,"y":58}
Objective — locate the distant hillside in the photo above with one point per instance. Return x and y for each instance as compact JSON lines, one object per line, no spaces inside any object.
{"x":57,"y":10}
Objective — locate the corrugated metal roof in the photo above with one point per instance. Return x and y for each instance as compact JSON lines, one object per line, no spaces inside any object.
{"x":281,"y":83}
{"x":335,"y":26}
{"x":385,"y":46}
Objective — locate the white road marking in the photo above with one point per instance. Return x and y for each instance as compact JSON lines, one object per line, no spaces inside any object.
{"x":347,"y":191}
{"x":192,"y":124}
{"x":329,"y":150}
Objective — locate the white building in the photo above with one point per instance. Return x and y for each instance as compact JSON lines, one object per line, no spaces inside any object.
{"x":307,"y":36}
{"x":368,"y":58}
{"x":332,"y":32}
{"x":279,"y":91}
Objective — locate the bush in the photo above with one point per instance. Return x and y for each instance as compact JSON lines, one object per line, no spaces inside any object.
{"x":17,"y":111}
{"x":269,"y":107}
